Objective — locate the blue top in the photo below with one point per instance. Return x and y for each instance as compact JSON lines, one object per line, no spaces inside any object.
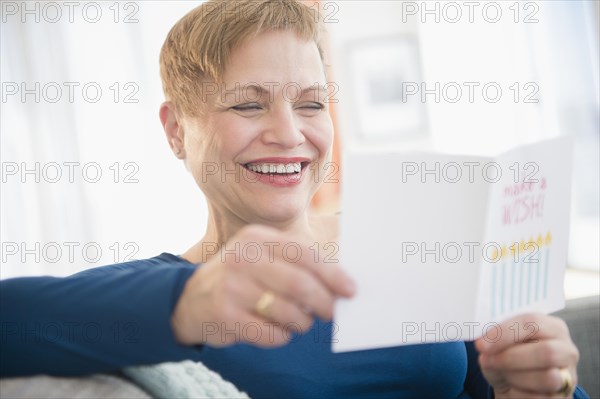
{"x":110,"y":317}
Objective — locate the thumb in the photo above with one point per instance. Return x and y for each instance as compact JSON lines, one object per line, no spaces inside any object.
{"x":495,"y":377}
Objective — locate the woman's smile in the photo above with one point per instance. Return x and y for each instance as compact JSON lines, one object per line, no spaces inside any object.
{"x":278,"y":171}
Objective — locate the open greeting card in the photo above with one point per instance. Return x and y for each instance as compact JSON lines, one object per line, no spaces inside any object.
{"x":443,"y":247}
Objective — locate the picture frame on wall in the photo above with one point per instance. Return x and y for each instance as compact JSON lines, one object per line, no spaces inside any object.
{"x":384,"y":73}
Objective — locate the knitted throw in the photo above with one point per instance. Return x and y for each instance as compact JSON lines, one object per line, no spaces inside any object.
{"x":185,"y":379}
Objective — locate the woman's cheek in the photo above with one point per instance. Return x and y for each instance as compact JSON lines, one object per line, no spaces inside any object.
{"x":323,"y":139}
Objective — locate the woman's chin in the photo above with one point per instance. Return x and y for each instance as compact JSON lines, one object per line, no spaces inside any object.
{"x":277,"y":214}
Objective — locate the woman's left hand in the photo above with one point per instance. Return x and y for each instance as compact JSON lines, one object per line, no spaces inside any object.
{"x":525,"y":358}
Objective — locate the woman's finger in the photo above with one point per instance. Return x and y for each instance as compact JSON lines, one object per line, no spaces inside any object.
{"x":302,"y":254}
{"x":515,"y":393}
{"x":539,"y":355}
{"x":522,"y":328}
{"x":296,"y":285}
{"x":249,"y":328}
{"x":543,"y":382}
{"x":268,"y":305}
{"x":329,"y":273}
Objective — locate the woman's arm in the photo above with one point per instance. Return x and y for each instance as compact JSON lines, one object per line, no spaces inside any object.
{"x":156,"y":311}
{"x":98,"y":320}
{"x":475,"y":383}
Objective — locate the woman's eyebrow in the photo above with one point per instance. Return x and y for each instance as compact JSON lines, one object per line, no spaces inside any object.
{"x":269,"y":87}
{"x":315,"y":87}
{"x":241,"y":92}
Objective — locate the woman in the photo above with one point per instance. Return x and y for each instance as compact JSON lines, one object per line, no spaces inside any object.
{"x":246,"y":111}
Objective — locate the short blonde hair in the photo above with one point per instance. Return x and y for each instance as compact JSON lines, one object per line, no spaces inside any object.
{"x":198,"y":46}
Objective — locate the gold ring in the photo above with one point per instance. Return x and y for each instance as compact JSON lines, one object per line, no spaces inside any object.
{"x":264,"y":303}
{"x":567,"y":386}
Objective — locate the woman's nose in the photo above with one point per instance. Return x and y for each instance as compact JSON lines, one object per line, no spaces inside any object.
{"x":283,"y":128}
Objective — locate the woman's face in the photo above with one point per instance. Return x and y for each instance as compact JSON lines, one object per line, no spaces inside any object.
{"x":259,"y":151}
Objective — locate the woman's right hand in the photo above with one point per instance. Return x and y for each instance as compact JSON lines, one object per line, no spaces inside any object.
{"x":218,"y":305}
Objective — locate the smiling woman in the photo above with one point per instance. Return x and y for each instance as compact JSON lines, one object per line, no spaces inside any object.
{"x":256,"y":279}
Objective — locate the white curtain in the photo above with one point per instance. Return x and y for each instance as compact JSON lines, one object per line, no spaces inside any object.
{"x":62,"y":216}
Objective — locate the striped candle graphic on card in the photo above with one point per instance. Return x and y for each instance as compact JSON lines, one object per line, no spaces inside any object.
{"x":547,"y":242}
{"x":519,"y":274}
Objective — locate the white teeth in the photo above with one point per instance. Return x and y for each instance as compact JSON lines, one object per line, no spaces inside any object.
{"x":292,"y":167}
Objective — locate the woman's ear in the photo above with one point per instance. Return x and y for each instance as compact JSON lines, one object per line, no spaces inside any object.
{"x":173,"y":128}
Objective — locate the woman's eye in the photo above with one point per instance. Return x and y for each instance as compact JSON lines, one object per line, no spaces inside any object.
{"x":312,"y":106}
{"x":247,"y":107}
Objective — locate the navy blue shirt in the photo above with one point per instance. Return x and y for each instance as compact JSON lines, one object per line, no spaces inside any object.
{"x":110,"y":317}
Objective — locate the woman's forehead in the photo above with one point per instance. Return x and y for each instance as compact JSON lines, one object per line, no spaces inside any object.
{"x":275,"y":56}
